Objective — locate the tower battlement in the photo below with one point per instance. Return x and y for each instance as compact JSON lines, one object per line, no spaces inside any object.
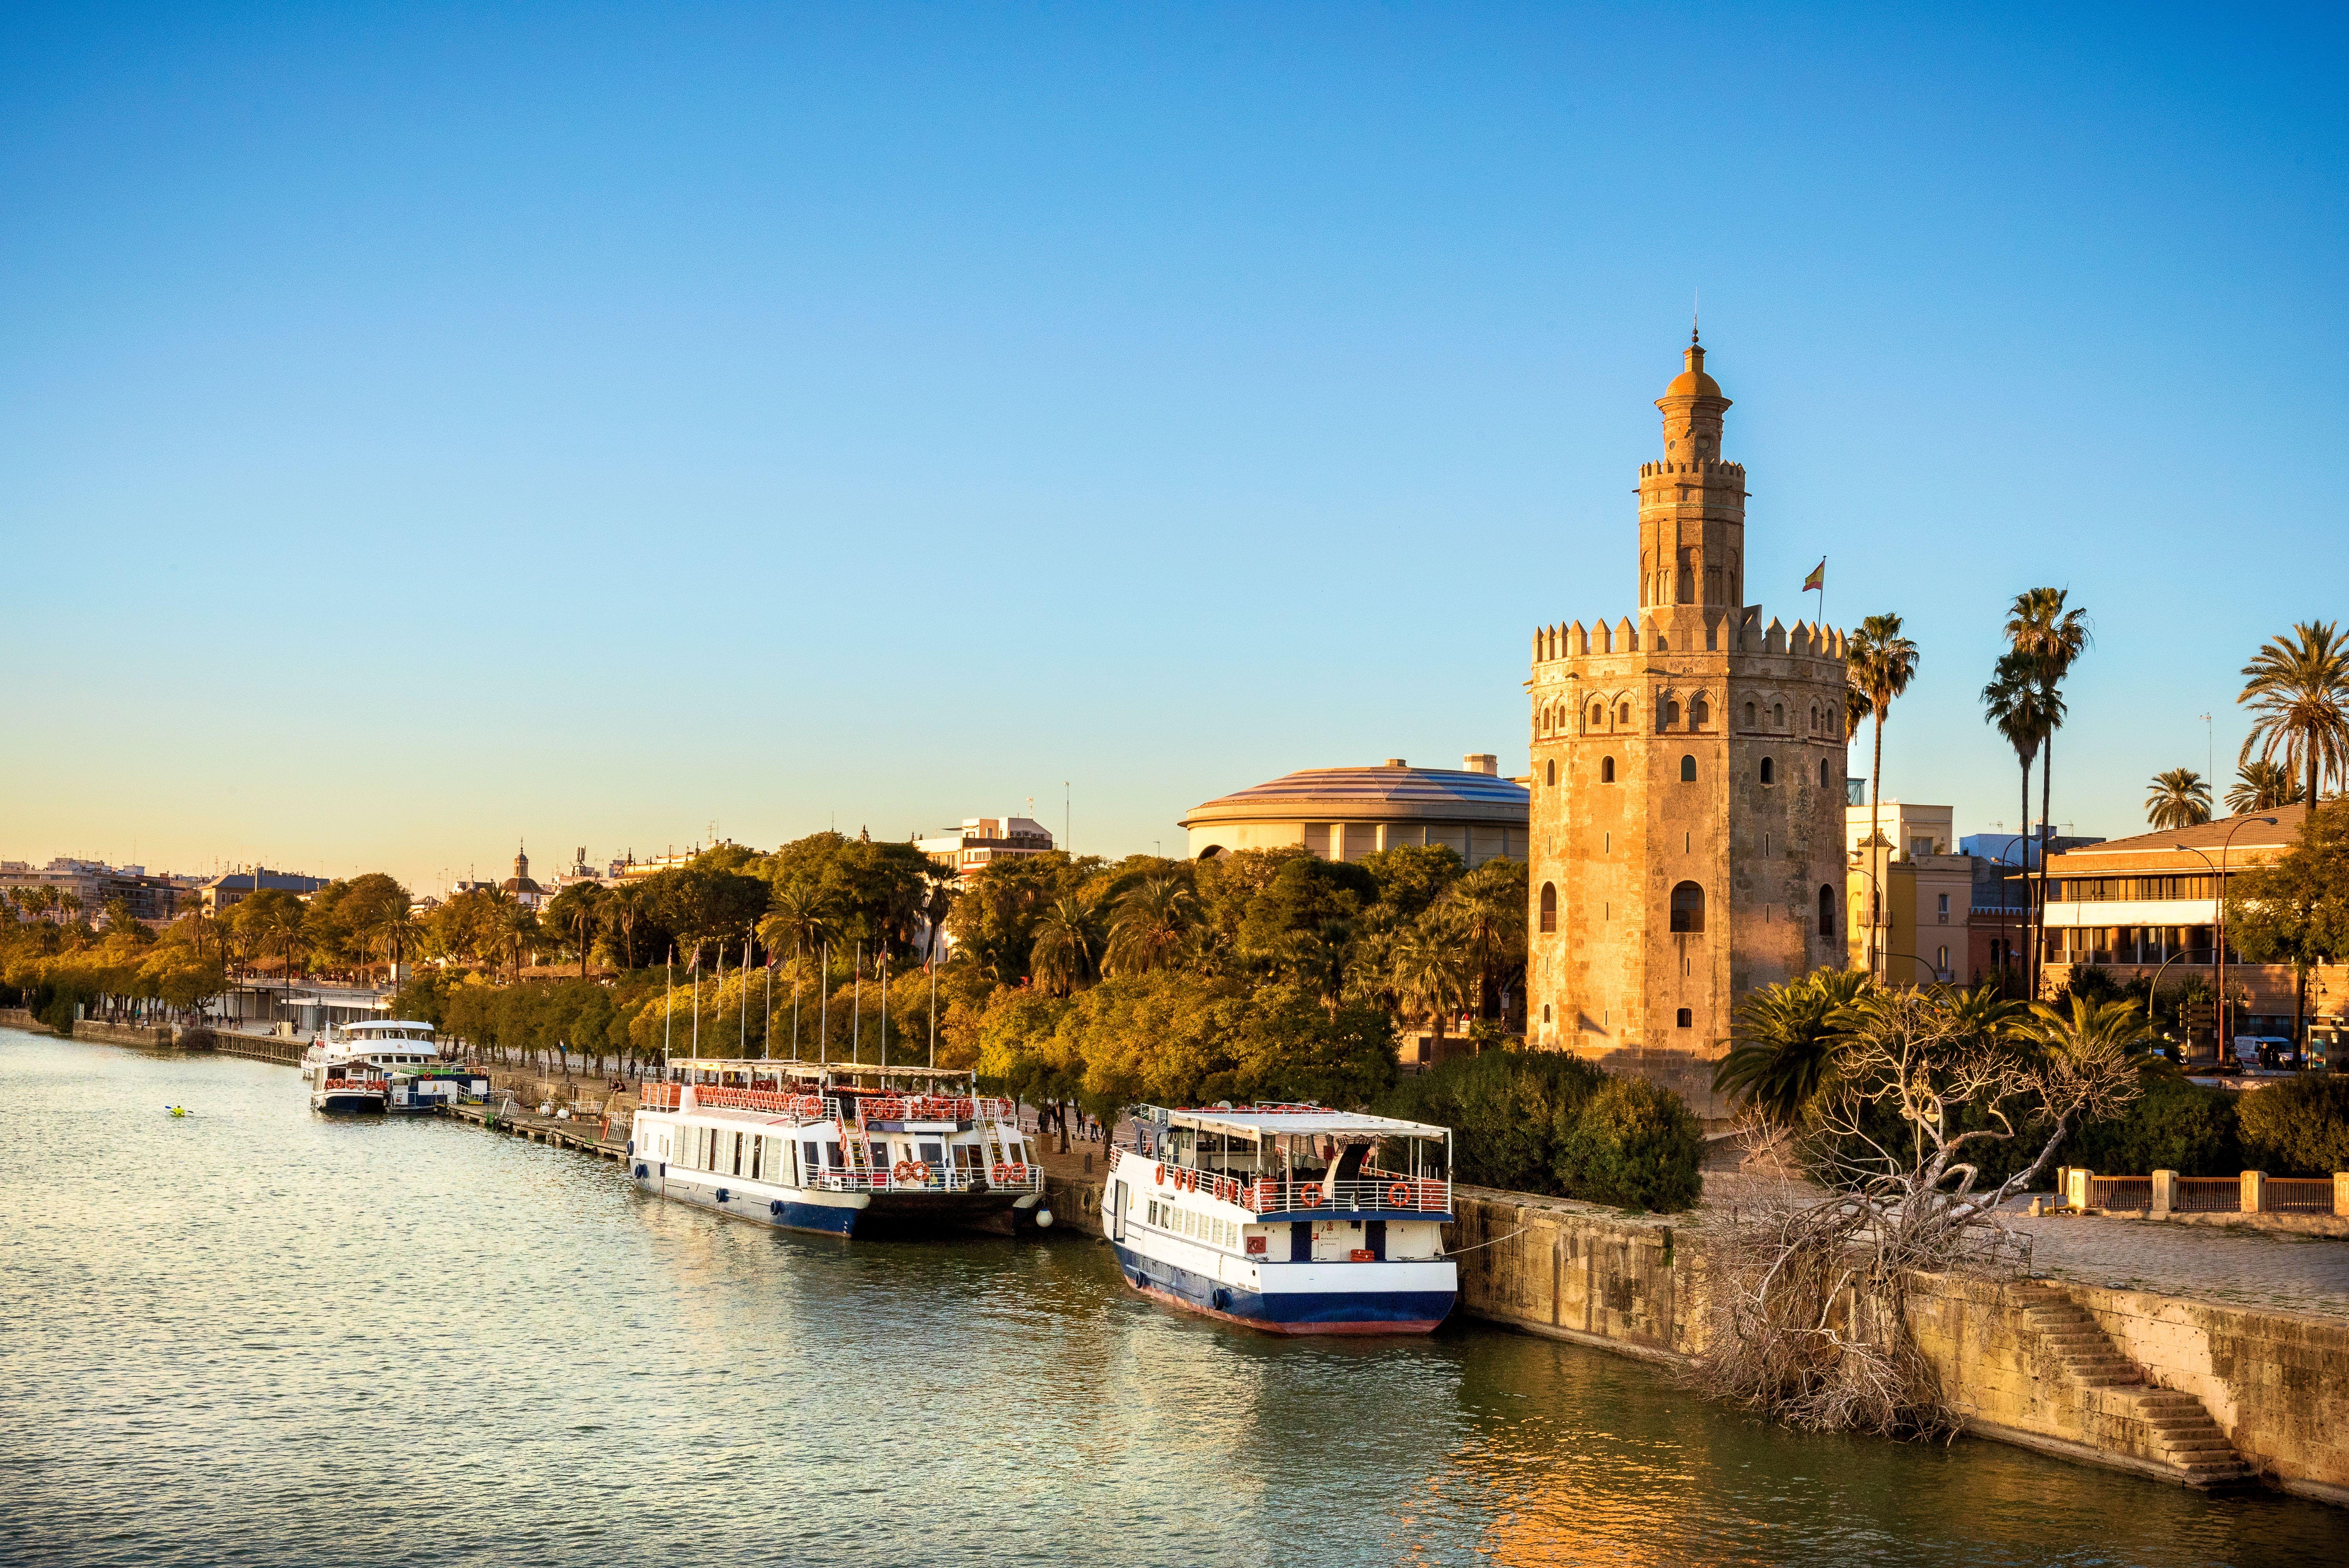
{"x":1709,"y":466}
{"x":1566,"y":643}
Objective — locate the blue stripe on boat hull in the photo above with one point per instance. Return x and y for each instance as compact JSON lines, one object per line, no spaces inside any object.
{"x":824,"y":1219}
{"x":1288,"y":1312}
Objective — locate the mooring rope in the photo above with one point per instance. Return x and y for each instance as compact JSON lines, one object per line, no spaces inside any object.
{"x":1455,"y":1251}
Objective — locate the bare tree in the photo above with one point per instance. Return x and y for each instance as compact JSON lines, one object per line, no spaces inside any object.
{"x":1808,"y":1305}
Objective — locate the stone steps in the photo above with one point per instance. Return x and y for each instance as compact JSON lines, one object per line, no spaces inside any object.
{"x":2179,"y":1433}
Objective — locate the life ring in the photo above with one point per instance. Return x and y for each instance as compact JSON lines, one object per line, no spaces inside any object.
{"x":1313,"y":1197}
{"x":903,"y":1170}
{"x":1159,"y":1175}
{"x":921,"y":1172}
{"x":1398,"y":1196}
{"x":1002,"y":1175}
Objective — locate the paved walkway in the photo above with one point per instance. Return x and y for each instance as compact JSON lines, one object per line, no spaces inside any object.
{"x":2205,"y":1262}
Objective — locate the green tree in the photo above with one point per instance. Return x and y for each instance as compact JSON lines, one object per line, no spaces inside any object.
{"x":2179,"y":797}
{"x":1069,"y":940}
{"x":272,"y":918}
{"x":1880,"y":663}
{"x":2048,"y":636}
{"x":1782,"y":1052}
{"x":1409,"y":877}
{"x":2297,"y":689}
{"x":1153,"y":923}
{"x":578,"y":913}
{"x":2295,"y":909}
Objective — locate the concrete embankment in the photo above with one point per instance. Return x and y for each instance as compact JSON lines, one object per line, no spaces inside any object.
{"x":2194,"y":1392}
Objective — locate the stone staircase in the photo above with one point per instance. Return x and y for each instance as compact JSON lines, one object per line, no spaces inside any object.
{"x":2165,"y":1430}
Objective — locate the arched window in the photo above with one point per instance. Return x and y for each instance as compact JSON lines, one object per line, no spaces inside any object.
{"x":1700,"y":713}
{"x":1545,"y":1012}
{"x":1688,"y":769}
{"x":1598,"y":713}
{"x":1550,"y":906}
{"x":1823,"y":772}
{"x":1672,"y":714}
{"x":1815,"y":718}
{"x":1777,"y":716}
{"x":1826,"y":906}
{"x":1550,"y":772}
{"x":1607,"y":770}
{"x":1688,"y":907}
{"x":1623,"y":713}
{"x":1683,"y":1019}
{"x":1749,"y":716}
{"x":1769,"y":773}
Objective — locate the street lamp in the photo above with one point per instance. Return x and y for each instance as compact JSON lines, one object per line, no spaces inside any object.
{"x":2218,"y":872}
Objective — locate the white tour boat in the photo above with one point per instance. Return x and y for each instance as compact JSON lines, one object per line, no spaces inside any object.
{"x":392,"y":1064}
{"x":1288,"y":1218}
{"x":847,"y":1150}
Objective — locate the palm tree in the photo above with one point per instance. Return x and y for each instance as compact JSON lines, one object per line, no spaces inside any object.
{"x":2049,"y":638}
{"x":800,"y":918}
{"x":512,"y":934}
{"x":623,"y":906}
{"x":1154,"y":922}
{"x":1986,"y":1012}
{"x":2297,"y":689}
{"x":1787,"y":1039}
{"x":1880,"y":663}
{"x":2022,"y":715}
{"x":1486,"y":912}
{"x":2179,"y":798}
{"x":579,"y":912}
{"x":1069,"y":942}
{"x":2262,"y":787}
{"x":1432,"y":975}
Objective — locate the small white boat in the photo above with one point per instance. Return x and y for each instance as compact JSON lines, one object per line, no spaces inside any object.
{"x":391,"y":1064}
{"x":846,"y":1151}
{"x":1288,"y":1218}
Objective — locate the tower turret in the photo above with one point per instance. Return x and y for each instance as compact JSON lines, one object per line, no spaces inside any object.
{"x":1692,"y":515}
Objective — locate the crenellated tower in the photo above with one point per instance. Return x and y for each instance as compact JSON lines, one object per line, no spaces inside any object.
{"x":1687,"y":828}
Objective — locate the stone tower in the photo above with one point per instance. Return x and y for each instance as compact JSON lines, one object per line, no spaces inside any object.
{"x":1688,"y":786}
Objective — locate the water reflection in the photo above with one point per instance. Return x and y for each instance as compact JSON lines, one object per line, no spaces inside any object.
{"x":257,"y":1335}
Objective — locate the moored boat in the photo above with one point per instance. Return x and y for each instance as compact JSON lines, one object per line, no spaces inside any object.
{"x":1288,"y":1218}
{"x":391,"y":1064}
{"x":846,"y":1151}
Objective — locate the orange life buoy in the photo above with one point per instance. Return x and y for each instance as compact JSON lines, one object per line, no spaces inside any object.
{"x":921,"y":1172}
{"x":1313,"y":1197}
{"x":1002,"y":1174}
{"x":1159,"y":1175}
{"x":1399,"y":1195}
{"x":903,"y":1170}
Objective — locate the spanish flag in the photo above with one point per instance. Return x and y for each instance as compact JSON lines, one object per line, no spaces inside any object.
{"x":1818,"y":577}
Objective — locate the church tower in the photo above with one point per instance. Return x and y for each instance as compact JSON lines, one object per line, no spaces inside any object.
{"x":1688,"y":785}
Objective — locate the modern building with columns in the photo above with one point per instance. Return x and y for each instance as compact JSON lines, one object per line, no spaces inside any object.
{"x":1345,"y":813}
{"x":1687,"y":840}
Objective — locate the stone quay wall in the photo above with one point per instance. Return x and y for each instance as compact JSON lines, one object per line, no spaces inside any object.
{"x":1635,"y":1284}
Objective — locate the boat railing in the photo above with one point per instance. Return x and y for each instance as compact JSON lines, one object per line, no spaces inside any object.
{"x":918,"y":1176}
{"x":933,"y":1108}
{"x":1382,"y":1191}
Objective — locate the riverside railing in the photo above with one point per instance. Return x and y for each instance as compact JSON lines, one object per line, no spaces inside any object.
{"x":2166,"y":1193}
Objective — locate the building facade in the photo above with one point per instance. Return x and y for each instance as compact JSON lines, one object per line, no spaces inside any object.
{"x":90,"y":886}
{"x":981,"y":841}
{"x":227,"y":891}
{"x":2149,"y":905}
{"x":1345,"y":813}
{"x":1688,"y":785}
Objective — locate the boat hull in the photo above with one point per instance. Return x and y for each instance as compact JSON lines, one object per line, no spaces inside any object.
{"x":1295,"y":1312}
{"x":820,"y":1213}
{"x":338,"y":1102}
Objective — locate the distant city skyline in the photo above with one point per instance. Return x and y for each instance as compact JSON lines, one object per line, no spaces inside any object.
{"x":429,"y":431}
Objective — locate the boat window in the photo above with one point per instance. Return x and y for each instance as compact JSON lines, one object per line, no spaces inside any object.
{"x":758,"y":1148}
{"x":809,"y":1160}
{"x":834,"y":1156}
{"x":933,"y":1155}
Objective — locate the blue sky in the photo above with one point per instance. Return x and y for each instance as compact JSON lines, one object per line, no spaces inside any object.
{"x":422,"y":429}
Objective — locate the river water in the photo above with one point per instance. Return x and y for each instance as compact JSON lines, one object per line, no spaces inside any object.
{"x":257,"y":1335}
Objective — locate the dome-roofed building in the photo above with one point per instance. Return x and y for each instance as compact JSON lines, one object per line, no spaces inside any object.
{"x":1345,"y":813}
{"x":526,"y":892}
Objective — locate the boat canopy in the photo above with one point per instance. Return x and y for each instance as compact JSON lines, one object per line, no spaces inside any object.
{"x":769,"y":1065}
{"x":1304,"y":1121}
{"x":370,"y":1025}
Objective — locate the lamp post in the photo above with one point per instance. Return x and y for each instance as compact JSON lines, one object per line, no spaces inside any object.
{"x":2218,"y":872}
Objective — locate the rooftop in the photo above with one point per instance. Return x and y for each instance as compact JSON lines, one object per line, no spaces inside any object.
{"x":2248,"y":833}
{"x":1303,"y":1119}
{"x":1395,"y":790}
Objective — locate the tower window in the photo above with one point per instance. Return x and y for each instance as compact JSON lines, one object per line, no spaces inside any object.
{"x":1777,"y":716}
{"x":1549,"y":772}
{"x":1597,"y":715}
{"x":1607,"y":770}
{"x":1550,"y":906}
{"x":1623,"y":713}
{"x":1749,"y":716}
{"x":1823,"y":772}
{"x":1688,"y":769}
{"x":1683,"y":1019}
{"x":1688,"y":907}
{"x":1545,"y":1012}
{"x":1768,"y":770}
{"x":1815,"y":720}
{"x":1699,"y":714}
{"x":1826,"y":906}
{"x":1672,"y":714}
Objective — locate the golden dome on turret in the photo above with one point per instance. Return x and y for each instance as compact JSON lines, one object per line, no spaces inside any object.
{"x":1693,"y":382}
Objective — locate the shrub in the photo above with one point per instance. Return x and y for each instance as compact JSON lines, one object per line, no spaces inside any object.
{"x":2174,"y":1125}
{"x":2298,"y":1127}
{"x":1634,"y":1144}
{"x":1547,"y":1121}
